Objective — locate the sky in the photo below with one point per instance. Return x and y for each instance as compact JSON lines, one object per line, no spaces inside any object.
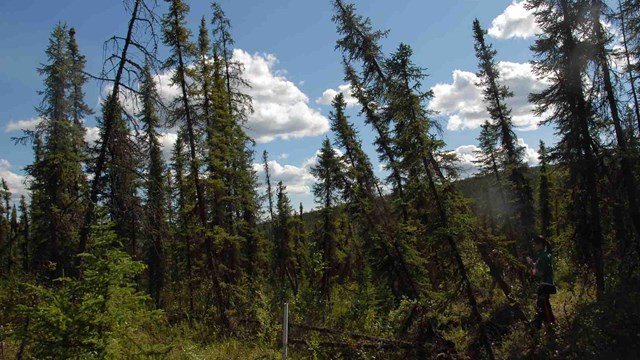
{"x":288,"y":51}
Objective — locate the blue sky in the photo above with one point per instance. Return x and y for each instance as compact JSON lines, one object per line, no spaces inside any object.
{"x":288,"y":50}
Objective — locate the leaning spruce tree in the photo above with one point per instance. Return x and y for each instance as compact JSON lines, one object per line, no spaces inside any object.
{"x":519,"y":194}
{"x":176,"y":38}
{"x":396,"y":82}
{"x":559,"y":51}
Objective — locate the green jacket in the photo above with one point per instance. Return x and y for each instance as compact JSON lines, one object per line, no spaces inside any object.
{"x":544,"y":267}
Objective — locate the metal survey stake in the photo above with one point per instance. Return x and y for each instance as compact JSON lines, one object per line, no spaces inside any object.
{"x":285,"y":331}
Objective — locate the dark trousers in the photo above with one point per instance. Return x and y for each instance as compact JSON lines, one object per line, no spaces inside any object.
{"x":543,"y":306}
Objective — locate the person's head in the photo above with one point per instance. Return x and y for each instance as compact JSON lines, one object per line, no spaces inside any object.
{"x":541,"y":244}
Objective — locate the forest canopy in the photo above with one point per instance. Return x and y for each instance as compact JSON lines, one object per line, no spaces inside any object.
{"x":119,"y":252}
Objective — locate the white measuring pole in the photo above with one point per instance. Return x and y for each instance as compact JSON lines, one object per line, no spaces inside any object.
{"x":285,"y":331}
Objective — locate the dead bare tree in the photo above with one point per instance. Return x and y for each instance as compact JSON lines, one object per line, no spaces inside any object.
{"x":125,"y":58}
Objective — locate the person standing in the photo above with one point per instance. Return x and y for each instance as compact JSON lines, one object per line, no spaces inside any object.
{"x":542,"y":269}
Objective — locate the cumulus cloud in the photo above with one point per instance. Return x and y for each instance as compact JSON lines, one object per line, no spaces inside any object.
{"x":515,"y":21}
{"x":531,"y":156}
{"x":461,"y":101}
{"x":15,"y":182}
{"x":17,"y":125}
{"x":297,"y":179}
{"x":91,"y":135}
{"x":467,"y":154}
{"x":329,"y":94}
{"x":167,"y":140}
{"x":281,"y":108}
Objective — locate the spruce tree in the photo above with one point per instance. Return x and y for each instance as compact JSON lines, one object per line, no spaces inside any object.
{"x":368,"y":205}
{"x":253,"y":254}
{"x":326,"y":192}
{"x":181,"y":50}
{"x":218,"y":133}
{"x":57,"y":171}
{"x":8,"y":230}
{"x":488,"y":160}
{"x":384,"y":142}
{"x":5,"y":196}
{"x":284,"y":262}
{"x":601,"y":51}
{"x":4,"y":233}
{"x":544,"y":189}
{"x":12,"y":248}
{"x":176,"y":38}
{"x":156,"y":230}
{"x":121,"y":180}
{"x":628,"y":11}
{"x":267,"y":177}
{"x":241,"y":178}
{"x":185,"y":223}
{"x":202,"y":75}
{"x":347,"y":139}
{"x":25,"y":234}
{"x":511,"y":153}
{"x":239,"y":103}
{"x":396,"y":82}
{"x":79,"y":109}
{"x":360,"y":43}
{"x":487,"y":157}
{"x":125,"y":68}
{"x":560,"y":52}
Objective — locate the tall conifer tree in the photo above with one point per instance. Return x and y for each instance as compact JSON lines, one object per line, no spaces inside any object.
{"x":564,"y":55}
{"x":326,"y":192}
{"x":519,"y":192}
{"x":544,"y":192}
{"x":176,"y":38}
{"x":156,"y":230}
{"x":57,"y":171}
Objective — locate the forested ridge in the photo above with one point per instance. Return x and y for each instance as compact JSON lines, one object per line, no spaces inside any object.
{"x":121,"y":253}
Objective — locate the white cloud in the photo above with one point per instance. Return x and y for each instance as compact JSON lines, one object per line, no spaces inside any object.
{"x":467,"y":154}
{"x":313,"y":160}
{"x":618,"y":60}
{"x":281,"y":108}
{"x":283,"y":156}
{"x":515,"y":21}
{"x":167,"y":141}
{"x":461,"y":101}
{"x":298,"y":180}
{"x":530,"y":155}
{"x":329,"y":94}
{"x":17,"y":125}
{"x":92,"y":135}
{"x":15,"y":182}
